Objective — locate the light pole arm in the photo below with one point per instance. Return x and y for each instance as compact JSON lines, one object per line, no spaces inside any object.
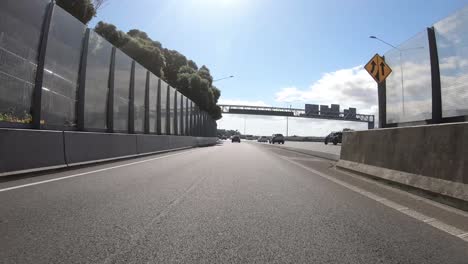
{"x":224,"y":78}
{"x":383,"y":41}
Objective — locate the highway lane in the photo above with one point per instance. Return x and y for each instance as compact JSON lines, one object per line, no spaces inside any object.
{"x":233,"y":203}
{"x":329,"y":151}
{"x":315,"y":146}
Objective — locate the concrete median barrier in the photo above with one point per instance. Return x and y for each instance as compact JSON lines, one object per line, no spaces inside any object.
{"x":432,"y":158}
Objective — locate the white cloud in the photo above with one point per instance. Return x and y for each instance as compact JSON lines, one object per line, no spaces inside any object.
{"x":348,"y":87}
{"x":223,"y":101}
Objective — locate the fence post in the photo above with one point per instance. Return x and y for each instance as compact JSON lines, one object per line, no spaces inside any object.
{"x":168,"y":110}
{"x":187,"y":117}
{"x":131,"y":102}
{"x":36,"y":109}
{"x":80,"y":115}
{"x":158,"y":109}
{"x":181,"y":119}
{"x":435,"y":78}
{"x":200,"y":124}
{"x":197,"y":121}
{"x":147,"y":92}
{"x":175,"y":114}
{"x":204,"y":124}
{"x":110,"y":95}
{"x":192,"y":118}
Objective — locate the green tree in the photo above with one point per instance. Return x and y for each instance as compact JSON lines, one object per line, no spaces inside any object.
{"x":174,"y":61}
{"x":135,"y":33}
{"x":135,"y":44}
{"x":192,"y":65}
{"x":183,"y":82}
{"x":204,"y":72}
{"x":115,"y":37}
{"x":170,"y":65}
{"x":187,"y":69}
{"x":216,"y":93}
{"x":83,"y":10}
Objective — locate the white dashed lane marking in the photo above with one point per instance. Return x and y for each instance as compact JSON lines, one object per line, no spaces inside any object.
{"x":463,"y":234}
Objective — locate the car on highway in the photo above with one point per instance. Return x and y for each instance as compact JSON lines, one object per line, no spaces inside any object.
{"x":262,"y":139}
{"x":334,"y":137}
{"x":277,"y":138}
{"x":235,"y":138}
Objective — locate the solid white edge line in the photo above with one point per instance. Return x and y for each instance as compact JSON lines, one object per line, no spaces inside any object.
{"x":413,"y":196}
{"x":458,"y":233}
{"x":12,"y":173}
{"x":126,"y":157}
{"x":90,"y":172}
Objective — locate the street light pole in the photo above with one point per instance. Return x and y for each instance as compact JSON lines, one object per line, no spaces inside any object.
{"x":402,"y":89}
{"x":401,"y":71}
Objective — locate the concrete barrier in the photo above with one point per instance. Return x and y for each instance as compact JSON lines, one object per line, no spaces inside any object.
{"x":324,"y":155}
{"x":153,"y":143}
{"x":181,"y":142}
{"x":85,"y":147}
{"x":23,"y":150}
{"x":433,"y":158}
{"x":205,"y":141}
{"x":150,"y":143}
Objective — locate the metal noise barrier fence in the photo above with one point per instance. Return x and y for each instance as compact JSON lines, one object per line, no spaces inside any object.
{"x":57,"y":74}
{"x":428,"y":84}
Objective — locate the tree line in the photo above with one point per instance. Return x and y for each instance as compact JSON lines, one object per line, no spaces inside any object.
{"x":178,"y":71}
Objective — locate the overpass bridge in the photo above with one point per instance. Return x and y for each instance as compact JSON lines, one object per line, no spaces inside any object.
{"x":296,"y":112}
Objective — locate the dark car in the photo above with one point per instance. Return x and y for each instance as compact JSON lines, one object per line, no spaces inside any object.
{"x":334,"y":137}
{"x":235,"y":139}
{"x":277,"y":138}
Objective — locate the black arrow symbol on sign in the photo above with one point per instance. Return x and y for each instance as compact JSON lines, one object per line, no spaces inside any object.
{"x":373,"y":66}
{"x":382,"y":66}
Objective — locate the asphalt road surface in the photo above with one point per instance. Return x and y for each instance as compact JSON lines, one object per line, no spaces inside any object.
{"x":329,"y":151}
{"x":231,"y":203}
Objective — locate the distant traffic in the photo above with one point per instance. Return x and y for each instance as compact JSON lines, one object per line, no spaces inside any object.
{"x":334,"y":137}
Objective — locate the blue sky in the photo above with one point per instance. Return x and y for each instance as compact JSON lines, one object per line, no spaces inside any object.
{"x":280,"y":50}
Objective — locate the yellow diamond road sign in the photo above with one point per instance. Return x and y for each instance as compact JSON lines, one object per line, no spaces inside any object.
{"x":378,"y":69}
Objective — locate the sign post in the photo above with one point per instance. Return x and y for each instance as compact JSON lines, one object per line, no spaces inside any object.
{"x":379,"y":70}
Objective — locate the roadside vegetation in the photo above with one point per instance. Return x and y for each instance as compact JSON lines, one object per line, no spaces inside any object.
{"x":177,"y":70}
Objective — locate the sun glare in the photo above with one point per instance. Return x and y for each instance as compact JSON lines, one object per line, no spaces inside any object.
{"x":216,"y":4}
